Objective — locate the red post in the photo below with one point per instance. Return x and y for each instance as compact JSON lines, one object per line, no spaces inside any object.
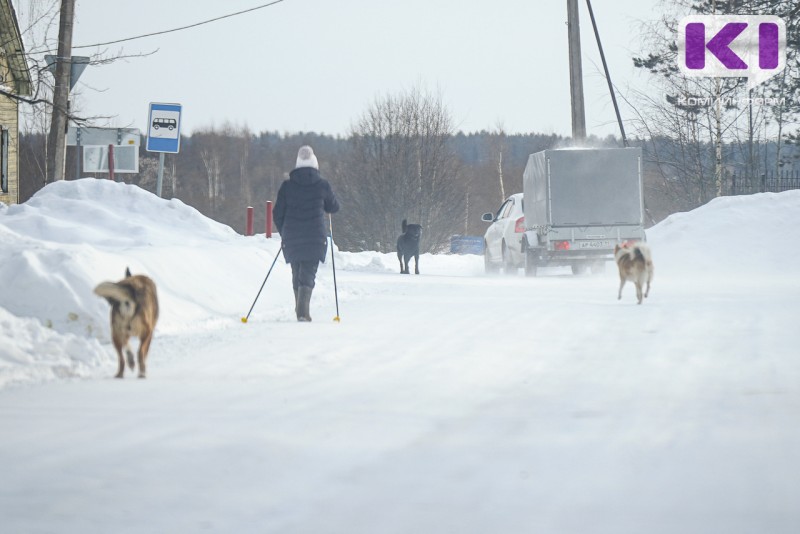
{"x":269,"y":219}
{"x":110,"y":162}
{"x":250,"y":212}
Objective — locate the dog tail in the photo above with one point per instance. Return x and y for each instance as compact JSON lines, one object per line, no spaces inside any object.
{"x":129,"y":354}
{"x":112,"y":292}
{"x":404,"y":225}
{"x":643,"y":251}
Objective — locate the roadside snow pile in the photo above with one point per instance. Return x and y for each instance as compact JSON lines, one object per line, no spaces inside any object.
{"x":107,"y":214}
{"x":72,"y":235}
{"x":753,"y":234}
{"x":38,"y":354}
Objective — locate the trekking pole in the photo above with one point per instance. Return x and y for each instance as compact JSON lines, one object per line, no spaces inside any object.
{"x":244,"y":319}
{"x":333,"y":263}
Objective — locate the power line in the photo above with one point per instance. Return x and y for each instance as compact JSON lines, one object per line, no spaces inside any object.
{"x":182,"y":27}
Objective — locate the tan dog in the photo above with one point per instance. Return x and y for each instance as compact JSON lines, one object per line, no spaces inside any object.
{"x":635,"y":264}
{"x":134,"y":312}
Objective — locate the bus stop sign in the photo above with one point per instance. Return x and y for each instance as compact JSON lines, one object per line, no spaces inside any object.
{"x":164,"y":128}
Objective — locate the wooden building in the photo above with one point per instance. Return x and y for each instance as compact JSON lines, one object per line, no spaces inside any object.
{"x":15,"y":80}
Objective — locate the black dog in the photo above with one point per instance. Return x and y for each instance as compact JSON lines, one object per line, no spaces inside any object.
{"x":408,"y":246}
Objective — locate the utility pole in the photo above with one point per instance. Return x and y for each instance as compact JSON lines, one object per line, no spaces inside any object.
{"x":575,"y":73}
{"x":57,"y":149}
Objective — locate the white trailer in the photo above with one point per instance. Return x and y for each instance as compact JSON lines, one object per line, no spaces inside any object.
{"x":578,"y":204}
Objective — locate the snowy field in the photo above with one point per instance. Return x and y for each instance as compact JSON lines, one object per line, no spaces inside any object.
{"x":446,"y":402}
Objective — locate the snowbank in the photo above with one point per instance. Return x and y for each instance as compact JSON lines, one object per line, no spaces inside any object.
{"x":110,"y":215}
{"x":72,"y":235}
{"x":37,"y":353}
{"x":732,"y":235}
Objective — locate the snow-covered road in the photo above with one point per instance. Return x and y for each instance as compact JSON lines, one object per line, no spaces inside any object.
{"x":438,"y":404}
{"x":445,"y":402}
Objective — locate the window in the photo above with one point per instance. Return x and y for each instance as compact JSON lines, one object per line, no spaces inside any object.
{"x":502,"y":211}
{"x":508,"y":208}
{"x":4,"y":159}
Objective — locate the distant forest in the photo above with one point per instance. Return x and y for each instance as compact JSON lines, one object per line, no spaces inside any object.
{"x":222,"y":171}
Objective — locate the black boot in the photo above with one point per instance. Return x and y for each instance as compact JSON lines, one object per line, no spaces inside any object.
{"x":296,"y":304}
{"x":303,"y":303}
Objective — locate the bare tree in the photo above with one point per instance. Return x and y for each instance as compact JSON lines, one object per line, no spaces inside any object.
{"x":211,"y":157}
{"x":243,"y":146}
{"x":401,"y":165}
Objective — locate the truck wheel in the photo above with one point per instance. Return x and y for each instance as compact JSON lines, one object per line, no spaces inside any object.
{"x":531,"y":262}
{"x":579,"y":268}
{"x":508,"y":265}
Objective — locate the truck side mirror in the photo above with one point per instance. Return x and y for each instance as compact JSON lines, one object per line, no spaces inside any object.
{"x":487,"y":217}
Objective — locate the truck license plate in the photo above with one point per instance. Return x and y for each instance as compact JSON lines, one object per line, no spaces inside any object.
{"x":596,"y":244}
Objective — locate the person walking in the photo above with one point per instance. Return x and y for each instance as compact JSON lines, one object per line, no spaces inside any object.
{"x":299,"y":215}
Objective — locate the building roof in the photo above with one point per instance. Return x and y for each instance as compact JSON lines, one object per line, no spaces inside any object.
{"x":13,"y":48}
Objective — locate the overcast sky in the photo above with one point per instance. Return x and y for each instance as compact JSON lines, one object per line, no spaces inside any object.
{"x":316,"y":65}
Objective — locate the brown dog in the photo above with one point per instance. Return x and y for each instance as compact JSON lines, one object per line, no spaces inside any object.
{"x":134,"y":312}
{"x":635,"y":264}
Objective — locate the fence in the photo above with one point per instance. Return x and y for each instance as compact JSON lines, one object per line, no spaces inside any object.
{"x":771,"y":182}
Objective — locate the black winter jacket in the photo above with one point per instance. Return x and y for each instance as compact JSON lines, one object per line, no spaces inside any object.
{"x":303,"y":201}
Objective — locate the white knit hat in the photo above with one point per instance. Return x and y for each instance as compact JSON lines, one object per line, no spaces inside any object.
{"x":306,"y":158}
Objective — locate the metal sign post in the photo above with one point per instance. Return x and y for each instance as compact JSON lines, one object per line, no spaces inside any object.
{"x":163,"y":134}
{"x":160,"y":180}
